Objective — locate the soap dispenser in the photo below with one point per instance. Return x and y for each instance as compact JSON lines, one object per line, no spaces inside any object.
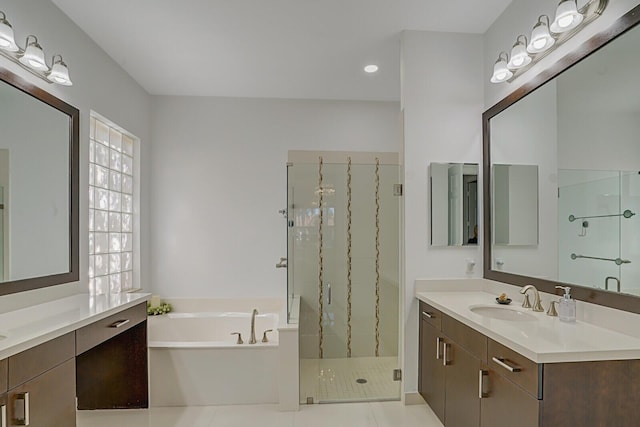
{"x":566,"y":306}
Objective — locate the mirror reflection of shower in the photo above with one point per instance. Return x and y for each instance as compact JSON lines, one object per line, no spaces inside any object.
{"x":597,"y":226}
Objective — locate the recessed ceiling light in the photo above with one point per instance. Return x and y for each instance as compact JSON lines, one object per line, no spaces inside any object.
{"x":371,"y":68}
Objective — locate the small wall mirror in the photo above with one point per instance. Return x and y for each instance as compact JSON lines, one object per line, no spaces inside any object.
{"x":454,"y":204}
{"x":515,"y":205}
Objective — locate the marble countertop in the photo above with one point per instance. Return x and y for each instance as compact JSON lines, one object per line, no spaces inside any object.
{"x":34,"y":325}
{"x":543,"y":340}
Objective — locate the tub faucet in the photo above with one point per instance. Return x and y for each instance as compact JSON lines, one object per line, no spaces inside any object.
{"x":252,"y":340}
{"x":536,"y":298}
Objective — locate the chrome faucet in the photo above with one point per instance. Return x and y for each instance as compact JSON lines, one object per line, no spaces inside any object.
{"x":536,"y":297}
{"x":606,"y":283}
{"x":252,"y":340}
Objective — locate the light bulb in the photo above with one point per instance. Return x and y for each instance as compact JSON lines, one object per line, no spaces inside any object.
{"x":539,"y":44}
{"x":565,"y":21}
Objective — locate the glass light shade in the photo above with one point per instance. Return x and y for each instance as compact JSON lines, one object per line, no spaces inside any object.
{"x":519,"y":56}
{"x":541,"y":39}
{"x":33,"y":56}
{"x":60,"y":74}
{"x":7,"y":41}
{"x":501,"y":72}
{"x":567,"y":17}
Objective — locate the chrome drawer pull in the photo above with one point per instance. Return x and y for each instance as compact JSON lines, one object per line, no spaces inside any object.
{"x":21,"y":409}
{"x":445,"y":362}
{"x":502,"y":363}
{"x":429,"y":315}
{"x":3,"y":416}
{"x":119,"y":323}
{"x":438,"y":342}
{"x":481,"y":375}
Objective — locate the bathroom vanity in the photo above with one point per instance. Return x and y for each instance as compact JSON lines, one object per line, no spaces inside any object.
{"x":483,"y":364}
{"x":90,"y":348}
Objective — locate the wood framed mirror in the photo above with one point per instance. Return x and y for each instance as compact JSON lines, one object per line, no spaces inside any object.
{"x":39,"y":187}
{"x":578,"y":122}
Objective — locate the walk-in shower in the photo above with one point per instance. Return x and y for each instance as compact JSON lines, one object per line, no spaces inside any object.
{"x":597,"y":225}
{"x":343,"y":261}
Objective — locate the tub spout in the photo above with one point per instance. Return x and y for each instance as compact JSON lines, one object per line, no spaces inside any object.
{"x":252,"y":340}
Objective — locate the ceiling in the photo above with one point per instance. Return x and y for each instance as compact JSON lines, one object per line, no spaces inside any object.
{"x":312,"y":49}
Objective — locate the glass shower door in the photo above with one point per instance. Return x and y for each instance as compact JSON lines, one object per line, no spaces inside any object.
{"x":343,"y":236}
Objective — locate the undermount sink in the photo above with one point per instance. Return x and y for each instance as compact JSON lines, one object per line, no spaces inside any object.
{"x":502,"y":313}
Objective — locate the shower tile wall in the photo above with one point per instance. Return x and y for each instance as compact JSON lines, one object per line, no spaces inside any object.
{"x":306,"y":267}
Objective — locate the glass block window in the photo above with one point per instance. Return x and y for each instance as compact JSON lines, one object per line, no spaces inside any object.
{"x":111,"y":209}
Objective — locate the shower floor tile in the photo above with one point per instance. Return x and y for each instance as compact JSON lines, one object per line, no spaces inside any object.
{"x":340,"y":380}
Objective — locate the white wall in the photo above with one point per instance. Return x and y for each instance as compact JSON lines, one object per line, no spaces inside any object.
{"x":100,"y":85}
{"x":442,"y":99}
{"x":218,"y":168}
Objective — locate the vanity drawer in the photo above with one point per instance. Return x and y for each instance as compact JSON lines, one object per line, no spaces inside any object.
{"x":102,"y":330}
{"x":30,"y":363}
{"x":470,"y":339}
{"x":517,"y":368}
{"x":3,"y":376}
{"x":431,"y":315}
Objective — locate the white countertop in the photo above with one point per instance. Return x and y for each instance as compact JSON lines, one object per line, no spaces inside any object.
{"x":34,"y":325}
{"x":543,"y":340}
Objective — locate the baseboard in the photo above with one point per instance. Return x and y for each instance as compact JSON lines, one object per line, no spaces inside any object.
{"x":413,"y":398}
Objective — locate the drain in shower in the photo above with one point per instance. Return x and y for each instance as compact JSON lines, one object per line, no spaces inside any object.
{"x":361,"y":381}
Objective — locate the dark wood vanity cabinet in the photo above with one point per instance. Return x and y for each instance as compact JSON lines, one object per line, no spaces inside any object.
{"x":470,"y":380}
{"x":112,"y":361}
{"x":3,"y":392}
{"x":451,"y":355}
{"x":431,"y":373}
{"x":41,"y":385}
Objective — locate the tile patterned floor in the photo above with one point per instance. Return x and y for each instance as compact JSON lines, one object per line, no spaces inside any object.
{"x":335,"y":380}
{"x":364,"y":414}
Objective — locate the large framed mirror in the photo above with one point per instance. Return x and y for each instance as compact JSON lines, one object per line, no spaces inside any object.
{"x":39,"y":176}
{"x":578,"y":125}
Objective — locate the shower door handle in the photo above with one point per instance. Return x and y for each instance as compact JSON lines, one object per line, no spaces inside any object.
{"x":329,"y":293}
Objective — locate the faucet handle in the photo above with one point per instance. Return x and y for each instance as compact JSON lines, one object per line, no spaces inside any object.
{"x":264,"y":335}
{"x":526,"y":303}
{"x":552,"y":309}
{"x":239,"y":337}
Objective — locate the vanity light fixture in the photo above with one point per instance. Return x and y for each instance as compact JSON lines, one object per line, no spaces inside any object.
{"x":7,"y":40}
{"x":545,"y":37}
{"x":501,"y":71}
{"x":59,"y":72}
{"x":32,"y":57}
{"x":541,"y":38}
{"x":519,"y":55}
{"x":567,"y":17}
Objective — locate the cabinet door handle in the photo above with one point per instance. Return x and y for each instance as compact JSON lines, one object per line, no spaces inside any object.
{"x":3,"y":416}
{"x":500,"y":361}
{"x":438,"y":343}
{"x":119,"y":323}
{"x":21,"y":409}
{"x":481,"y":375}
{"x":445,"y":362}
{"x":428,"y":315}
